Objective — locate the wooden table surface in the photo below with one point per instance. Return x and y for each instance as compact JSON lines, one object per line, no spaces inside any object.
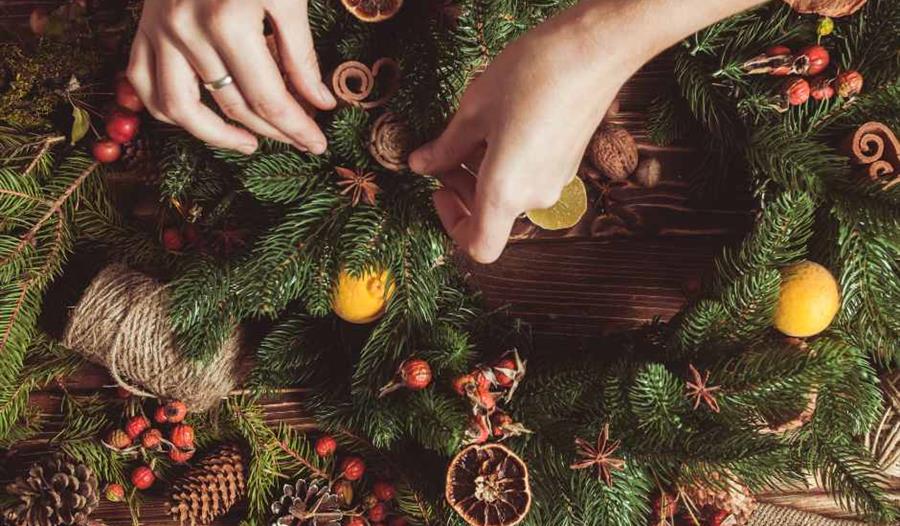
{"x":571,"y":289}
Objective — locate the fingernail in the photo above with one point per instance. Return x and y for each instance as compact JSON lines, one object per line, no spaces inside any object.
{"x":247,"y":149}
{"x":318,"y":147}
{"x":326,"y":95}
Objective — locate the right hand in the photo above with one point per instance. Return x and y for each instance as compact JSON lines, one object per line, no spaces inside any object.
{"x":181,"y":43}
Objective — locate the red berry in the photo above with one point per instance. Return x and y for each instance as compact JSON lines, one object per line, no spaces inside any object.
{"x":398,"y":521}
{"x":463,"y":383}
{"x":849,"y":83}
{"x":127,"y":97}
{"x":812,"y":60}
{"x":821,"y":89}
{"x":182,"y":436}
{"x":326,"y":446}
{"x":106,"y":151}
{"x":136,"y":426}
{"x":506,"y":364}
{"x":175,"y":411}
{"x":118,"y":439}
{"x":384,"y":490}
{"x":159,"y":416}
{"x":142,"y":477}
{"x":115,"y":492}
{"x":151,"y":439}
{"x":796,"y":91}
{"x":353,"y":468}
{"x":416,"y":374}
{"x":377,"y":513}
{"x":172,"y":240}
{"x":356,"y":521}
{"x":180,"y":456}
{"x":122,"y":125}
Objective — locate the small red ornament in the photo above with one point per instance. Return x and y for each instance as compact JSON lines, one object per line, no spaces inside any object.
{"x":182,"y":436}
{"x":172,"y":240}
{"x":326,"y":445}
{"x":118,"y":439}
{"x":122,"y":125}
{"x":820,"y":89}
{"x":142,"y":477}
{"x":106,"y":151}
{"x":849,"y":83}
{"x":384,"y":490}
{"x":115,"y":492}
{"x":176,"y":411}
{"x":416,"y":374}
{"x":136,"y":426}
{"x":151,"y":439}
{"x":796,"y":91}
{"x":811,"y":60}
{"x":398,"y":521}
{"x":377,"y":513}
{"x":180,"y":456}
{"x":356,"y":521}
{"x":159,"y":416}
{"x":353,"y":468}
{"x":127,"y":97}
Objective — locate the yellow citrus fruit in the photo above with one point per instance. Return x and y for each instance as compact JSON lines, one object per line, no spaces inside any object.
{"x":808,"y":301}
{"x":361,"y":299}
{"x":567,"y":212}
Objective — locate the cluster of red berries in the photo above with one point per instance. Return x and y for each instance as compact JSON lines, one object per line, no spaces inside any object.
{"x":122,"y":123}
{"x":811,"y":61}
{"x":379,"y":508}
{"x":139,"y":436}
{"x":486,"y":388}
{"x":413,"y":374}
{"x":666,"y":510}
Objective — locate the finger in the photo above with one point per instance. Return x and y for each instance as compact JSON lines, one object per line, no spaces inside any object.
{"x":140,"y":73}
{"x":178,"y":97}
{"x":462,"y":183}
{"x":210,"y":67}
{"x":298,"y":54}
{"x":450,"y":149}
{"x":450,"y":209}
{"x":259,"y":80}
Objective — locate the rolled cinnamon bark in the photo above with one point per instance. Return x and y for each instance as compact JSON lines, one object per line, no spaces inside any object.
{"x":390,"y":143}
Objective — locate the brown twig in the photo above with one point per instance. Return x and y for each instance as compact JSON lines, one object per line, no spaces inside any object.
{"x":296,"y":456}
{"x":48,"y":142}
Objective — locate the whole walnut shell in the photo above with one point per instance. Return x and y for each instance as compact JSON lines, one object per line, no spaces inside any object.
{"x":614,"y":152}
{"x":832,"y":8}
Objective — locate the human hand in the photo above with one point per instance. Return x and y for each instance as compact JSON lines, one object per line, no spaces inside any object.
{"x":534,"y":109}
{"x":181,"y":43}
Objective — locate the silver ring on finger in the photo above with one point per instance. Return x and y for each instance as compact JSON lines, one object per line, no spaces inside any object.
{"x":221,"y":83}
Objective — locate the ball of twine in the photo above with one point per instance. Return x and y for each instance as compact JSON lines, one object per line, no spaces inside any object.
{"x":122,"y":323}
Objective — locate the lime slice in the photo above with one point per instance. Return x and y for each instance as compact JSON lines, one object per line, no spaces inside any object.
{"x":567,"y":212}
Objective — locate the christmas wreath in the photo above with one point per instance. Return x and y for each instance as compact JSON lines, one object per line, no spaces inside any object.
{"x":207,"y":281}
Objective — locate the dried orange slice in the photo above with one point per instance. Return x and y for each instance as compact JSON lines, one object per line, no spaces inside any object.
{"x":567,"y":212}
{"x":487,"y":485}
{"x":373,"y":10}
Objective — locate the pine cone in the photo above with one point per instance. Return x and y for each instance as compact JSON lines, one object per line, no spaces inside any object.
{"x":724,"y":494}
{"x":56,"y":491}
{"x":209,"y":489}
{"x":307,"y":504}
{"x":137,"y":157}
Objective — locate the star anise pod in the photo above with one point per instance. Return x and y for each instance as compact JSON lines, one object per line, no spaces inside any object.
{"x":701,"y":392}
{"x":359,"y":185}
{"x":599,"y":456}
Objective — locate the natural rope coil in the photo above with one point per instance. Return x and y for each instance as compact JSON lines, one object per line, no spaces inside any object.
{"x":122,"y":323}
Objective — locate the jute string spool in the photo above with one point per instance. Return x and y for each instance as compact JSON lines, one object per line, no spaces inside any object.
{"x":122,"y":323}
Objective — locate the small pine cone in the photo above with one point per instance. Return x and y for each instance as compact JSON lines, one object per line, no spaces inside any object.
{"x":724,"y":494}
{"x":209,"y":489}
{"x":56,"y":491}
{"x":137,"y":157}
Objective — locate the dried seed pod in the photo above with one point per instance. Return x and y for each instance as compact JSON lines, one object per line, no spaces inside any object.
{"x":649,"y":172}
{"x":614,"y":152}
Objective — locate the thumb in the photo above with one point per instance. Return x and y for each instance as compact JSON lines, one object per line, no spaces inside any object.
{"x":449,"y":150}
{"x":298,"y":54}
